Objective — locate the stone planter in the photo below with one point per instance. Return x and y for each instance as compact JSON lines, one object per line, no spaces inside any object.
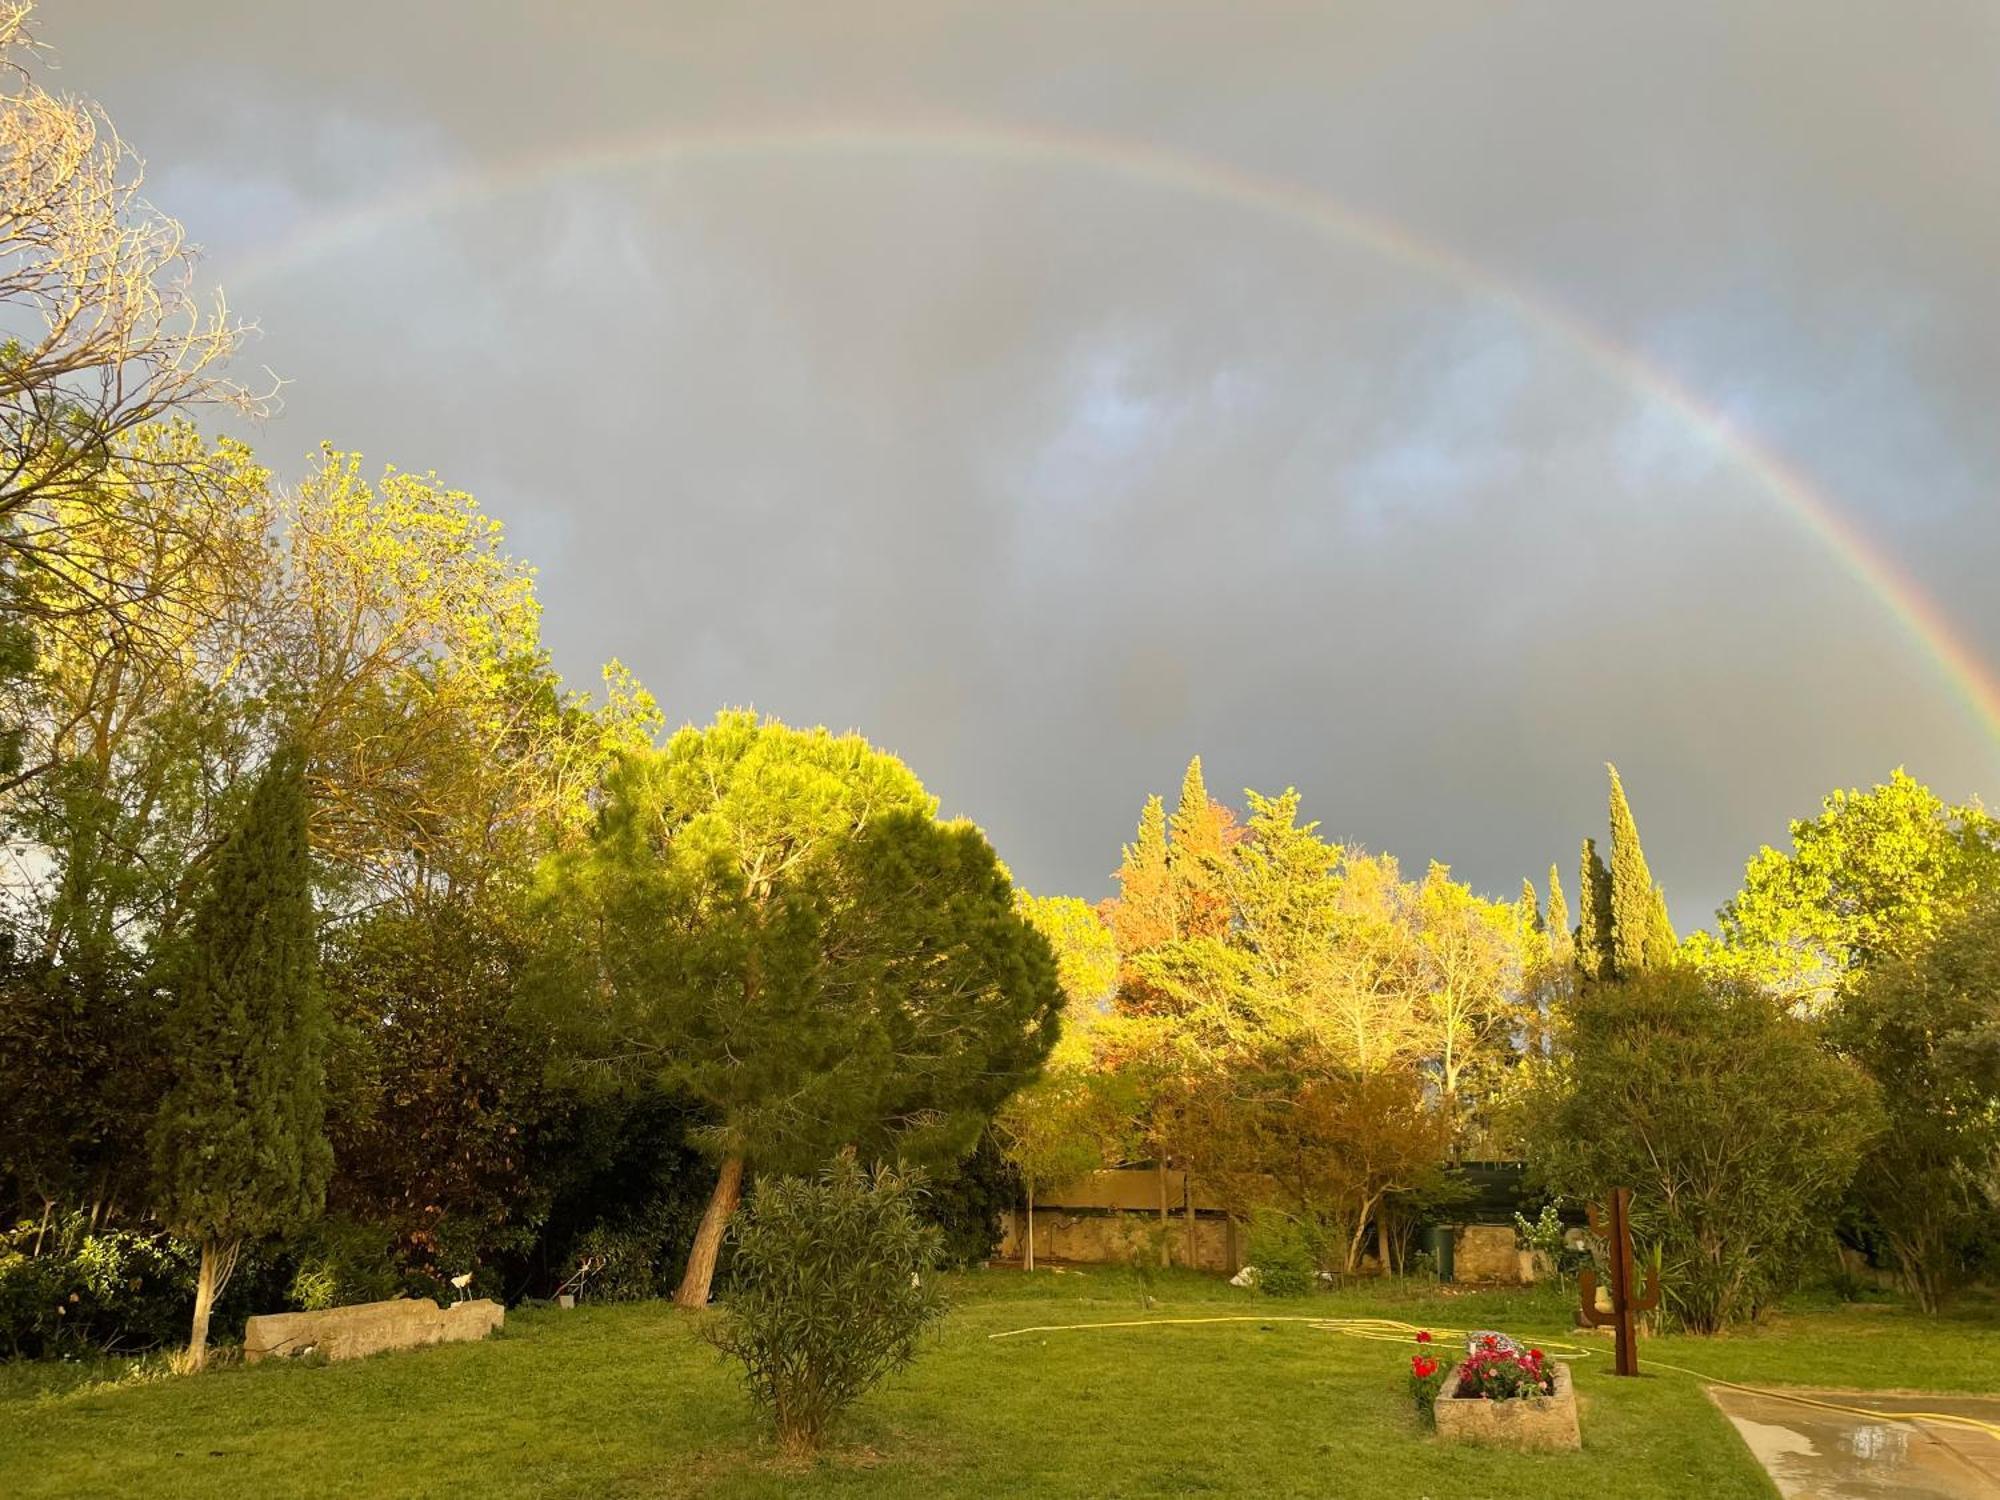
{"x":1532,"y":1424}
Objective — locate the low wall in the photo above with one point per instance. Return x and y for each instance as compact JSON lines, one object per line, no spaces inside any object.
{"x":1115,"y":1238}
{"x":368,"y":1328}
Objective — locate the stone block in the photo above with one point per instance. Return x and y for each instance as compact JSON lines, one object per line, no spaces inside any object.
{"x":368,"y":1328}
{"x":1532,"y":1424}
{"x":1486,"y":1252}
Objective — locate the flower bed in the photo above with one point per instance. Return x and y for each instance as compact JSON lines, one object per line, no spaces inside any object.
{"x":1498,"y":1395}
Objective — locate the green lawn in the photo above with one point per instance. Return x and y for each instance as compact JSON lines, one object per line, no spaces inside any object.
{"x":626,"y":1401}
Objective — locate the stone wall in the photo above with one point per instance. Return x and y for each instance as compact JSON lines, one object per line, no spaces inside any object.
{"x":1114,"y":1238}
{"x":368,"y":1328}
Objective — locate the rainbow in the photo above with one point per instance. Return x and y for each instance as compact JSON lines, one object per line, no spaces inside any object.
{"x":1171,"y":171}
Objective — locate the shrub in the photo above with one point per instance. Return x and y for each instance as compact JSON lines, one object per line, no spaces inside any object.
{"x":628,"y":1263}
{"x":968,"y":1201}
{"x":832,"y":1289}
{"x":111,"y":1290}
{"x":1548,"y":1237}
{"x":341,"y":1261}
{"x":1282,"y":1251}
{"x":1735,"y":1130}
{"x":1928,"y":1030}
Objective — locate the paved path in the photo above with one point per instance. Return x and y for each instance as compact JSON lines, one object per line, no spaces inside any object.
{"x":1822,"y":1455}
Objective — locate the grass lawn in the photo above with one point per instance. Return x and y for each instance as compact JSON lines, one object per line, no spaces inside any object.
{"x":617,"y":1401}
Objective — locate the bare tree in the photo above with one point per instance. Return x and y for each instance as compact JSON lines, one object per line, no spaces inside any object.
{"x":101,"y":328}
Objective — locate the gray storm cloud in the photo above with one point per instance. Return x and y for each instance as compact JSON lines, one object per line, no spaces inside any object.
{"x":1048,"y":477}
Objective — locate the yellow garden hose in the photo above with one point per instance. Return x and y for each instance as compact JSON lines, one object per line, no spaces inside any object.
{"x":1392,"y":1330}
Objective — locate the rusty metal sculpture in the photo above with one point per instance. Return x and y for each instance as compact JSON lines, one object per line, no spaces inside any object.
{"x":1625,"y":1301}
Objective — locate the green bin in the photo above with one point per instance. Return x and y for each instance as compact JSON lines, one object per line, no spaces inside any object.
{"x":1440,"y":1239}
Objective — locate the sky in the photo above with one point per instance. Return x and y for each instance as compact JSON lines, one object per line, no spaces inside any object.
{"x":1055,"y":391}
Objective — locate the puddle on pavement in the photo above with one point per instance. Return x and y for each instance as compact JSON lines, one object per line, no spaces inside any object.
{"x":1823,"y":1455}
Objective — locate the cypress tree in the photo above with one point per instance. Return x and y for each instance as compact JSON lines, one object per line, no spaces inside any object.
{"x":1531,"y":907}
{"x":1562,"y":942}
{"x":1142,"y":913}
{"x":1662,"y":943}
{"x":239,"y":1147}
{"x":1593,"y":930}
{"x":1200,"y":840}
{"x":1640,"y":934}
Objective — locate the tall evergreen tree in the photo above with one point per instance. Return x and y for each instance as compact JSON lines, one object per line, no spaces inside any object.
{"x":1642,"y":937}
{"x":1593,"y":931}
{"x":1200,"y":842}
{"x":1530,"y":907}
{"x":240,"y":1145}
{"x":1562,"y":942}
{"x":1662,"y":942}
{"x":1142,"y":913}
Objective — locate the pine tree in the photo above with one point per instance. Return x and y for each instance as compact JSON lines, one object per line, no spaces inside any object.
{"x":1593,"y":931}
{"x":1641,"y":937}
{"x":1531,"y":907}
{"x":1562,"y":942}
{"x":239,"y":1147}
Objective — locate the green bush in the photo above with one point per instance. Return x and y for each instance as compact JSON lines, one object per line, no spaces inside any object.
{"x":340,"y":1262}
{"x":968,"y":1202}
{"x":628,"y":1263}
{"x":1735,"y":1130}
{"x":1927,"y":1029}
{"x":1282,"y":1251}
{"x":832,"y":1288}
{"x":112,"y":1290}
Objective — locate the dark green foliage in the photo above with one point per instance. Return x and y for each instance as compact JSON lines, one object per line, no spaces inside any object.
{"x":1642,"y":936}
{"x":442,"y":1085}
{"x":834,"y":1284}
{"x":619,"y":1169}
{"x":1735,"y":1130}
{"x":967,"y":1202}
{"x":774,"y":920}
{"x":1927,"y":1029}
{"x":1594,"y":955}
{"x":81,"y":1077}
{"x":69,"y":1289}
{"x":240,"y":1146}
{"x":626,"y":1265}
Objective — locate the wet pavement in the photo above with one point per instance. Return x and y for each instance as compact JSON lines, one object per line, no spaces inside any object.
{"x":1823,"y":1455}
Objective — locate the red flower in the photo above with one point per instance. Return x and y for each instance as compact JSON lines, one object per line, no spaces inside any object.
{"x":1423,"y":1335}
{"x":1423,"y":1367}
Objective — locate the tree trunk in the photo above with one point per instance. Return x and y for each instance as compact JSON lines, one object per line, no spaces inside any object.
{"x":1166,"y":1245}
{"x":1187,"y":1193}
{"x":1028,"y":1250}
{"x":218,"y":1263}
{"x":708,"y":1238}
